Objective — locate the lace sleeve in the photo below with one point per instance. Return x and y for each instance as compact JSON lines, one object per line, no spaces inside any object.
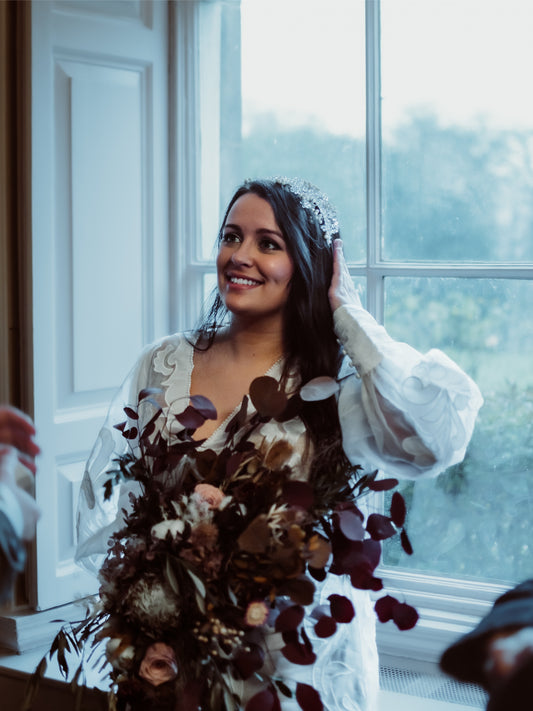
{"x":98,"y":518}
{"x":400,"y":411}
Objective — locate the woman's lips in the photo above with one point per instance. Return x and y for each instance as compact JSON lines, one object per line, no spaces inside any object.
{"x":242,"y":281}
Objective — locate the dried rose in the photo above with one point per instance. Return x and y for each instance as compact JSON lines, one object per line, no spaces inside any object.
{"x":212,"y":495}
{"x":256,"y":614}
{"x":159,"y":664}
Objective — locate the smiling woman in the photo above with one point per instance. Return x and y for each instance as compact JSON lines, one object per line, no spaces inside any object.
{"x":285,"y":313}
{"x":253,"y":265}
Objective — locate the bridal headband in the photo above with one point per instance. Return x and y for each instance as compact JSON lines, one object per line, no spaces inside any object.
{"x":314,"y":200}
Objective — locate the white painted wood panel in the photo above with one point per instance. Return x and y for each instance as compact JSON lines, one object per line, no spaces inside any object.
{"x":107,"y":222}
{"x":100,"y":240}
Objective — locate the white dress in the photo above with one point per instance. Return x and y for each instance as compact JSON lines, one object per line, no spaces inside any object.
{"x":386,"y":388}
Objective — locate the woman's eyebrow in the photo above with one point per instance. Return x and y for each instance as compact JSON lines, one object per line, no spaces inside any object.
{"x":265,"y":230}
{"x":261,"y":230}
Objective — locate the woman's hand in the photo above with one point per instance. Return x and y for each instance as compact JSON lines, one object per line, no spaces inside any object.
{"x":17,"y":444}
{"x":342,"y":290}
{"x":17,"y":430}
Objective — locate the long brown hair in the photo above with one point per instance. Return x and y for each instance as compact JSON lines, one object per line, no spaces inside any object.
{"x":311,"y":348}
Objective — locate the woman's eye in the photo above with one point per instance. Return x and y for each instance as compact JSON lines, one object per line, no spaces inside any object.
{"x":230,"y":237}
{"x":269,"y":245}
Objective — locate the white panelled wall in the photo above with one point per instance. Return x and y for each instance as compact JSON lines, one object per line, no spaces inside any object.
{"x":100,"y":240}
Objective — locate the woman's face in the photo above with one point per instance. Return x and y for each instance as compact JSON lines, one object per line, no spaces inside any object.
{"x":254,"y":268}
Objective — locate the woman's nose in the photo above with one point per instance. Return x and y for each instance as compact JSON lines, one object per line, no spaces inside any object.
{"x":243,"y":254}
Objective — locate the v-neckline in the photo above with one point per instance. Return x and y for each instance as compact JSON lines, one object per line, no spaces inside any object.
{"x":270,"y":372}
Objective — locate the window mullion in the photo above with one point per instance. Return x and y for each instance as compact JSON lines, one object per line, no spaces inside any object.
{"x":184,"y":176}
{"x":375,"y":282}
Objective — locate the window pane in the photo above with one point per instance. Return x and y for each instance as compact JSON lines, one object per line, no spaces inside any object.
{"x":474,"y":520}
{"x":457,"y":129}
{"x":303,"y":102}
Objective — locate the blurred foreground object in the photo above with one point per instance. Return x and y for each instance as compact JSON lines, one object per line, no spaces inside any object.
{"x":18,"y":511}
{"x":498,"y":653}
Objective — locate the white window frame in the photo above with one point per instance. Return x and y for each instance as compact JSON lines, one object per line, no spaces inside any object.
{"x":448,"y":607}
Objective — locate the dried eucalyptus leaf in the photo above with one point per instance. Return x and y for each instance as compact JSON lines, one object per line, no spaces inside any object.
{"x":319,"y":389}
{"x":171,"y":577}
{"x":198,"y":583}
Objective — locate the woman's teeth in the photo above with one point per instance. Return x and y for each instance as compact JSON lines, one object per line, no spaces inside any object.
{"x":246,"y":282}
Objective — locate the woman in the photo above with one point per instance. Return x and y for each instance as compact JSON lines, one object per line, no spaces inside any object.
{"x":286,"y":306}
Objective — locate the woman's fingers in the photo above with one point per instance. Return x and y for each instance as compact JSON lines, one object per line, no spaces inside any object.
{"x":17,"y":430}
{"x":342,"y":290}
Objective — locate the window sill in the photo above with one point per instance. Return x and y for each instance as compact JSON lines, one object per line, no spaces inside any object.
{"x":401,"y":689}
{"x":388,"y":700}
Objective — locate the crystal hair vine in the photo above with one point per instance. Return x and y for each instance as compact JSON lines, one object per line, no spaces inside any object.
{"x":313,"y":199}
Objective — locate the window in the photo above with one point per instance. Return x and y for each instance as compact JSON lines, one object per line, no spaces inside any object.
{"x":420,"y":132}
{"x":406,"y":116}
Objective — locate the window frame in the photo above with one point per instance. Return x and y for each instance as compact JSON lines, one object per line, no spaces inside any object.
{"x":448,"y":607}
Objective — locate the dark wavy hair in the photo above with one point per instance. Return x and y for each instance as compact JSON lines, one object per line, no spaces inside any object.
{"x":310,"y":346}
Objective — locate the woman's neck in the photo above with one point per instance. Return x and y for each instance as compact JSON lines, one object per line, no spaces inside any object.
{"x":253,"y":340}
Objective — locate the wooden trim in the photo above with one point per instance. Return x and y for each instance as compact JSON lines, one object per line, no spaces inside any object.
{"x":16,"y":345}
{"x":16,"y":372}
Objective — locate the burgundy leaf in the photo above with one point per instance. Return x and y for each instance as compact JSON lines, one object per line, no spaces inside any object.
{"x":282,"y":686}
{"x":148,"y":392}
{"x":233,"y":463}
{"x":290,"y":637}
{"x":298,"y":654}
{"x":404,"y":616}
{"x":350,"y":524}
{"x":325,"y":627}
{"x":130,"y":434}
{"x":121,"y":426}
{"x":298,"y":493}
{"x":317,"y":573}
{"x":398,"y":509}
{"x":384,"y":607}
{"x":292,"y":410}
{"x":372,"y":550}
{"x":363,"y":579}
{"x":306,"y":640}
{"x":341,"y":608}
{"x":266,"y":397}
{"x":204,"y":406}
{"x":346,"y":553}
{"x":290,"y":618}
{"x":300,"y":590}
{"x":380,"y":527}
{"x":358,"y":560}
{"x":130,"y":412}
{"x":406,"y":543}
{"x":349,"y":506}
{"x":266,"y":700}
{"x":147,"y":431}
{"x":383,"y":484}
{"x":308,"y":698}
{"x":247,"y":663}
{"x":190,"y":418}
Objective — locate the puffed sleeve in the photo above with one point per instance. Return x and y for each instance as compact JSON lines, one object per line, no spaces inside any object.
{"x":98,"y":518}
{"x":402,"y":412}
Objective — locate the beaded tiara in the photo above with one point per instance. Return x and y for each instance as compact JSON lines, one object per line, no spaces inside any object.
{"x":314,"y":200}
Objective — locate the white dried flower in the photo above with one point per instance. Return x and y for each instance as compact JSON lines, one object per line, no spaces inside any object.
{"x":173,"y":526}
{"x":153,"y":605}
